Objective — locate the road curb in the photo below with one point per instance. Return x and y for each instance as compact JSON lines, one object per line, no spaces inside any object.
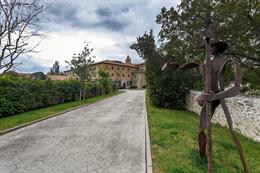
{"x":148,"y":153}
{"x":54,"y":115}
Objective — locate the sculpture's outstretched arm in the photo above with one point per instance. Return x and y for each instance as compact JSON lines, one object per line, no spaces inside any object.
{"x":189,"y":65}
{"x":233,"y":91}
{"x":175,"y":66}
{"x":170,"y":66}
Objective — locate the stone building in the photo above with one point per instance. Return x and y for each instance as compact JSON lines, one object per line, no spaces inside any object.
{"x":123,"y":74}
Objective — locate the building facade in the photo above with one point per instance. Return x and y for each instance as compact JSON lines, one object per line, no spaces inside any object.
{"x":123,"y":74}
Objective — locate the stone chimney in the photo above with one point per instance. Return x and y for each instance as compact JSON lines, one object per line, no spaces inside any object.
{"x":128,"y":60}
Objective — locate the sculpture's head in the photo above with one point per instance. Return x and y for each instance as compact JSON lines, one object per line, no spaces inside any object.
{"x":217,"y":46}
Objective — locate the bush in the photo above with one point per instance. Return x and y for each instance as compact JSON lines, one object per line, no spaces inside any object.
{"x":170,"y":89}
{"x":251,"y":82}
{"x":93,"y":89}
{"x":18,"y":94}
{"x":198,"y":82}
{"x":252,"y":78}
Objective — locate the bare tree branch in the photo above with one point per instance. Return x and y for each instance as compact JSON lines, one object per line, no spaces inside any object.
{"x":19,"y":22}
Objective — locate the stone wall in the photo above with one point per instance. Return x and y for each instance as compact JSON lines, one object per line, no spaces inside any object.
{"x":245,"y":112}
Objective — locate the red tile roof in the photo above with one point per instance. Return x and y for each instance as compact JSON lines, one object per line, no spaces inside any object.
{"x":114,"y":62}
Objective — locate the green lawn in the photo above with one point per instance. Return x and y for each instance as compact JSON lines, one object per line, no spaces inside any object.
{"x":174,"y":145}
{"x":19,"y":119}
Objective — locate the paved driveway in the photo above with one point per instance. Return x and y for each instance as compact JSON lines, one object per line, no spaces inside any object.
{"x":105,"y":137}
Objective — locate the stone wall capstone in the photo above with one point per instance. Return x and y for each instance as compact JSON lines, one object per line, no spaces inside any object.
{"x":244,"y":110}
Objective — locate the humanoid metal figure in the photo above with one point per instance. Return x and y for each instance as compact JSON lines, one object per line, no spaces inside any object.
{"x":217,"y":94}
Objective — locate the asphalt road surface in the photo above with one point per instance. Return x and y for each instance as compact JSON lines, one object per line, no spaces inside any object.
{"x":105,"y":137}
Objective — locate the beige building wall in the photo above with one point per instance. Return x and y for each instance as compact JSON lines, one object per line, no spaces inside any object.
{"x":58,"y":77}
{"x":139,"y":77}
{"x":124,"y":75}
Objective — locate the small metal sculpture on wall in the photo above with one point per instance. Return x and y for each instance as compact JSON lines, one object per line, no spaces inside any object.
{"x":212,"y":71}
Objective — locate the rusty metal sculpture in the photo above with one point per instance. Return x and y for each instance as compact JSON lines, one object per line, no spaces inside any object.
{"x":214,"y":94}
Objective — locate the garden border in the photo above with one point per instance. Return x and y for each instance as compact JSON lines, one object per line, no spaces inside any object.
{"x":148,"y":152}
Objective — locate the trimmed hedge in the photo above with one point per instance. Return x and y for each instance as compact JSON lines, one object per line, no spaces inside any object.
{"x":18,"y":94}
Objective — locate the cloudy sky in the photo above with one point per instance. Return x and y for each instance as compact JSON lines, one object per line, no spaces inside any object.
{"x":109,"y":25}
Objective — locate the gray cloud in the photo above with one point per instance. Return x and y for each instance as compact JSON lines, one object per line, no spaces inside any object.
{"x":125,"y":9}
{"x":104,"y":12}
{"x":111,"y":24}
{"x":74,"y":16}
{"x":64,"y":14}
{"x":111,"y":18}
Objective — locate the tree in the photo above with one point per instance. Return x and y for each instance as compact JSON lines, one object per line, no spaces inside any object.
{"x":55,"y":70}
{"x":146,"y":49}
{"x":235,"y":22}
{"x":104,"y":81}
{"x":80,"y":64}
{"x":19,"y":22}
{"x":166,"y":89}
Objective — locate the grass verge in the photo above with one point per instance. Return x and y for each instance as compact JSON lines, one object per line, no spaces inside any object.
{"x":20,"y":119}
{"x":175,"y":148}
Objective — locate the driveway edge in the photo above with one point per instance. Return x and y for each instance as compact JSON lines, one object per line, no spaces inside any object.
{"x":54,"y":115}
{"x":148,"y":153}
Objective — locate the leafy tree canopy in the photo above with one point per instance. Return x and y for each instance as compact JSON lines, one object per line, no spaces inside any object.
{"x":55,"y":70}
{"x":165,"y":88}
{"x":104,"y":80}
{"x":146,"y":48}
{"x":235,"y":22}
{"x":80,"y":63}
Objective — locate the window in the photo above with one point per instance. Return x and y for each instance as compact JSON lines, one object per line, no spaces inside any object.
{"x":123,"y":75}
{"x":123,"y":68}
{"x":112,"y":67}
{"x":113,"y":74}
{"x":117,"y":68}
{"x":128,"y":75}
{"x":128,"y":69}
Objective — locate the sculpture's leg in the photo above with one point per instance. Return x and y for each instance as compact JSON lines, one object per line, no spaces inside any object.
{"x":202,"y":144}
{"x":202,"y":135}
{"x":234,"y":137}
{"x":203,"y":125}
{"x":209,"y":138}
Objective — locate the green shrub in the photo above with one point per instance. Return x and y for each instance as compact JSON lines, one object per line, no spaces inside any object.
{"x":18,"y":94}
{"x":93,"y":89}
{"x":252,"y":77}
{"x":170,"y":89}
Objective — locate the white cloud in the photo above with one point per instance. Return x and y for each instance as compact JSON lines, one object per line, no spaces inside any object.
{"x":61,"y":46}
{"x":69,"y":25}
